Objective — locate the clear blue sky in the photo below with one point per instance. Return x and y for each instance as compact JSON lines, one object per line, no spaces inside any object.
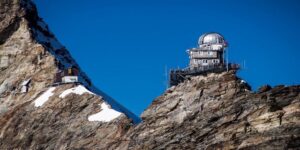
{"x":124,"y":45}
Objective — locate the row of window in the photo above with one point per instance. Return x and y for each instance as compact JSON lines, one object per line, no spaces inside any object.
{"x":198,"y":61}
{"x":203,"y":53}
{"x":212,"y":40}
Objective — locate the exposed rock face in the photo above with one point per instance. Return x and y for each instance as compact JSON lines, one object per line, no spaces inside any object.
{"x":218,"y":111}
{"x":214,"y":111}
{"x":61,"y":123}
{"x":38,"y":116}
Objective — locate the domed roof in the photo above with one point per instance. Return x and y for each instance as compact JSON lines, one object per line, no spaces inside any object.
{"x":211,"y":38}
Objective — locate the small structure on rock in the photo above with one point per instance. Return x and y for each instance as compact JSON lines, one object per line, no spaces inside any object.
{"x":209,"y":56}
{"x":69,"y":75}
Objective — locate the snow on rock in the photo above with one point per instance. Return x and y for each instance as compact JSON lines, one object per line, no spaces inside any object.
{"x":44,"y":97}
{"x":105,"y":115}
{"x":41,"y":37}
{"x":115,"y":105}
{"x":79,"y":90}
{"x":25,"y":82}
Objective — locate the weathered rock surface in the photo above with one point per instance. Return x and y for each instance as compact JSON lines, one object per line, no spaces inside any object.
{"x":214,"y":111}
{"x":30,"y":54}
{"x":218,"y":111}
{"x":61,"y":123}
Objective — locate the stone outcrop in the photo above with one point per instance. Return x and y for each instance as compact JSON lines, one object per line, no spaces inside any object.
{"x":61,"y":123}
{"x":213,"y":111}
{"x":30,"y":56}
{"x":218,"y":111}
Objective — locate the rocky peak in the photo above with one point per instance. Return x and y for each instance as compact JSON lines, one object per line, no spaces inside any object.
{"x":30,"y":52}
{"x":219,"y":111}
{"x":212,"y":111}
{"x":36,"y":113}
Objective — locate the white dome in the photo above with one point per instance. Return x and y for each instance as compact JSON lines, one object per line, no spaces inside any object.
{"x":211,"y":38}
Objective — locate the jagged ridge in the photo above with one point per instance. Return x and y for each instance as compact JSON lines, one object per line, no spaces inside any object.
{"x":213,"y":111}
{"x":219,"y":111}
{"x":26,"y":13}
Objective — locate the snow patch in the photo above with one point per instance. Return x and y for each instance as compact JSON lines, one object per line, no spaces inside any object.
{"x":44,"y":97}
{"x":54,"y":46}
{"x":79,"y":90}
{"x":24,"y":83}
{"x":105,"y":115}
{"x":52,"y":41}
{"x":115,"y":105}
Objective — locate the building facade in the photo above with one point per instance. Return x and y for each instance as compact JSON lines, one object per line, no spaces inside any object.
{"x":69,"y":75}
{"x":209,"y":54}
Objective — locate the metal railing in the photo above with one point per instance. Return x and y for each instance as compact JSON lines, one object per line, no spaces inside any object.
{"x":179,"y":75}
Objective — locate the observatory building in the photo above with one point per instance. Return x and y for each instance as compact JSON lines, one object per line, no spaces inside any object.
{"x":210,"y":52}
{"x":208,"y":56}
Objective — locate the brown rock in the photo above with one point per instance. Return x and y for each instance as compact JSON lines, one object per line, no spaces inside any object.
{"x":264,"y":88}
{"x":235,"y":119}
{"x":215,"y":111}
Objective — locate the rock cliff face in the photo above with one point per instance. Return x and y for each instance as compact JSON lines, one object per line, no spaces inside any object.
{"x":213,"y":111}
{"x":34,"y":113}
{"x":218,"y":111}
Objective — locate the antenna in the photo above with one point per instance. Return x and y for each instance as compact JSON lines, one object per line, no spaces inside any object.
{"x":227,"y":60}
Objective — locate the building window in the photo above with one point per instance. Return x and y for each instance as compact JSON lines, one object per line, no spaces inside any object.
{"x":195,"y":61}
{"x":215,"y":61}
{"x":220,"y":40}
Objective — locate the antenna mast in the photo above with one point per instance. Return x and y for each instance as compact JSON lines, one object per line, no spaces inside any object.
{"x":227,"y":62}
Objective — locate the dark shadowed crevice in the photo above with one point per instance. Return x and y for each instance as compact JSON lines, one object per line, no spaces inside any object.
{"x":8,"y":31}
